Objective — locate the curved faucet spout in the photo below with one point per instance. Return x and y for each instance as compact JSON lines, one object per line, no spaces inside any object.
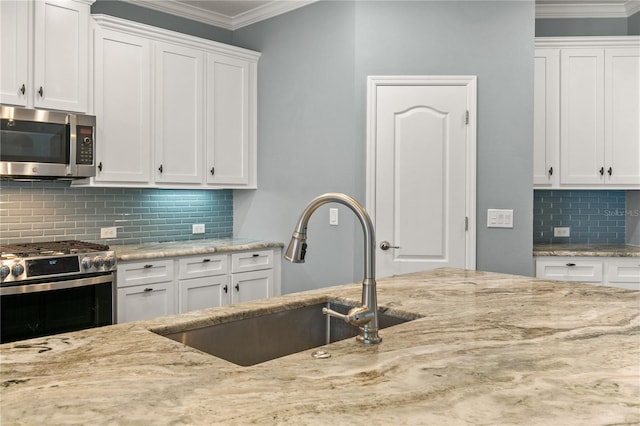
{"x":297,"y":248}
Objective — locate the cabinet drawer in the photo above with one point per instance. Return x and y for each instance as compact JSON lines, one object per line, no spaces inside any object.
{"x":570,"y":270}
{"x":146,"y":301}
{"x":202,"y":266}
{"x":251,"y":261}
{"x":624,"y":271}
{"x":149,"y":272}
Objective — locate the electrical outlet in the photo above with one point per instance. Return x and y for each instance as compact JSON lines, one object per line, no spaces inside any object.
{"x":500,"y":218}
{"x":198,"y":228}
{"x":561,"y":231}
{"x":111,"y":232}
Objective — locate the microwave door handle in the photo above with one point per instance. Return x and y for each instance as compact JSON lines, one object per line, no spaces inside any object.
{"x":72,"y":128}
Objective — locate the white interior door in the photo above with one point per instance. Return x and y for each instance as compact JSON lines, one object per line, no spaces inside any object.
{"x":421,"y":165}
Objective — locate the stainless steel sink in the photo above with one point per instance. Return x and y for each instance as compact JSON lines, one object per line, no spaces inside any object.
{"x":250,"y":341}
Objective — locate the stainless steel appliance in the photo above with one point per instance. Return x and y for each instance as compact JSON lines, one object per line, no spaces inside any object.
{"x":55,"y":287}
{"x":41,"y":144}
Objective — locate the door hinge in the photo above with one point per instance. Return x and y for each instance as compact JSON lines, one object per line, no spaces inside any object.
{"x":466,"y":223}
{"x":466,"y":117}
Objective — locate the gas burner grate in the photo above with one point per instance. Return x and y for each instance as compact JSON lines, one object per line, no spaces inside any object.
{"x":51,"y":248}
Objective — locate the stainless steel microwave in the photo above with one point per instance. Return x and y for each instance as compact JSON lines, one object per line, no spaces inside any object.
{"x":41,"y":144}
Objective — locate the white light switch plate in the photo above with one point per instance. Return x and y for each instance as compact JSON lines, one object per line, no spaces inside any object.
{"x":333,"y":216}
{"x":197,"y":228}
{"x":562,"y":231}
{"x":500,"y":218}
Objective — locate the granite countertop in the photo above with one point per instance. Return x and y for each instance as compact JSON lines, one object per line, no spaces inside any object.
{"x":589,"y":250}
{"x":189,"y":247}
{"x":489,"y":349}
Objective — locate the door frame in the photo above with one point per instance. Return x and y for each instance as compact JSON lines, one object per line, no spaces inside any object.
{"x":470,"y":82}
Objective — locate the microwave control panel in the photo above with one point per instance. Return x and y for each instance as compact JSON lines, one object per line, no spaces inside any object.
{"x":84,"y":145}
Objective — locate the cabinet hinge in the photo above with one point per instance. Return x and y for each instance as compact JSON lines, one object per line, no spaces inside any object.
{"x":466,"y":117}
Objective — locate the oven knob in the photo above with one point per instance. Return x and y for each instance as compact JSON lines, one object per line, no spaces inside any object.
{"x":109,"y":261}
{"x":4,"y":271}
{"x":17,"y":270}
{"x":86,"y":263}
{"x":98,"y":262}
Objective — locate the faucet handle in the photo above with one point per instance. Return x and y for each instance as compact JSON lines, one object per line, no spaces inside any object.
{"x":359,"y":315}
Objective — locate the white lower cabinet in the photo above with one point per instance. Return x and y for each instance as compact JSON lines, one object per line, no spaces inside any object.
{"x":203,"y":282}
{"x":157,"y":287}
{"x":607,"y":271}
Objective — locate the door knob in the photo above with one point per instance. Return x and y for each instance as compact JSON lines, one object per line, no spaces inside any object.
{"x":386,"y":245}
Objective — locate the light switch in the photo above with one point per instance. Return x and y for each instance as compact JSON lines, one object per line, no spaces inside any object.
{"x":333,"y":216}
{"x":500,"y":218}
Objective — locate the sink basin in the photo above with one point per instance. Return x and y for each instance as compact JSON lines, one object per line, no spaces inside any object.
{"x":250,"y":341}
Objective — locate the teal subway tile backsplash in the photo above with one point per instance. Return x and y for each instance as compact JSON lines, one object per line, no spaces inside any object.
{"x":594,"y":216}
{"x":46,"y":211}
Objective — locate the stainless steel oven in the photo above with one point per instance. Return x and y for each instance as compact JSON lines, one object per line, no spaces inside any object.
{"x":49,"y":288}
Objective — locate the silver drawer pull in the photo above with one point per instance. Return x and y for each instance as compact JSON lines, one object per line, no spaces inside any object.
{"x":146,"y":290}
{"x":147,"y":266}
{"x":571,"y":264}
{"x":206,"y":260}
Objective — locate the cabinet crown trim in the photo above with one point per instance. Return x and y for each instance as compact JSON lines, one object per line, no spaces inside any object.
{"x":613,"y":41}
{"x":174,"y":37}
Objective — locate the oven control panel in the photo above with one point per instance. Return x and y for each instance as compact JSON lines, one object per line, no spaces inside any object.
{"x":50,"y":267}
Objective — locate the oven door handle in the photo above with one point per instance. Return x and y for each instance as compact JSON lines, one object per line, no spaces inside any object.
{"x":58,"y":285}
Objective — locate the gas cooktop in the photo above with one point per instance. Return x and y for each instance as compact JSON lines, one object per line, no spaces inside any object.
{"x":25,"y":261}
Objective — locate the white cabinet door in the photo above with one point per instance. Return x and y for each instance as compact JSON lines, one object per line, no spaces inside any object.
{"x":546,"y":129}
{"x":146,"y":301}
{"x":179,"y":118}
{"x":622,"y":116}
{"x":203,"y":292}
{"x":251,"y":285}
{"x":15,"y":29}
{"x":123,"y":106}
{"x":61,"y":53}
{"x":624,"y":273}
{"x":228,"y":131}
{"x":582,"y":115}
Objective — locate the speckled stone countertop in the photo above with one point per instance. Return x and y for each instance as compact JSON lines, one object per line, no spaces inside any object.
{"x":589,"y":250}
{"x":489,"y":349}
{"x":188,"y":247}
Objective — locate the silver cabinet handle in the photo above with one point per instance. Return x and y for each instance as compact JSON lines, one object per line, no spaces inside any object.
{"x":386,"y":245}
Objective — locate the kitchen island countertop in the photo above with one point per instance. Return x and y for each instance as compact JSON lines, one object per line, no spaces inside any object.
{"x":488,"y":349}
{"x":189,"y":247}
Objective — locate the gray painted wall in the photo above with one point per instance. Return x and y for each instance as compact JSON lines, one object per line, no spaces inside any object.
{"x":312,"y":115}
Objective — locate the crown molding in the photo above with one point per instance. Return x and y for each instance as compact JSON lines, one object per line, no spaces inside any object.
{"x":586,"y":9}
{"x":194,"y":13}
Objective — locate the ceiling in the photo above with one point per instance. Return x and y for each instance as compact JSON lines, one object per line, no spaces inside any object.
{"x":234,"y":14}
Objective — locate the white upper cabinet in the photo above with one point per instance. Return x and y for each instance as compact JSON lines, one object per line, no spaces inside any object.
{"x":582,"y":116}
{"x":546,"y":127}
{"x":597,"y":106}
{"x":15,"y":35}
{"x":45,"y":51}
{"x":123,"y":106}
{"x":229,"y":112}
{"x":179,"y":117}
{"x":173,"y":111}
{"x":622,"y":116}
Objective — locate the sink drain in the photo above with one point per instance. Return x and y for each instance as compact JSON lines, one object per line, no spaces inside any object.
{"x":320,"y":354}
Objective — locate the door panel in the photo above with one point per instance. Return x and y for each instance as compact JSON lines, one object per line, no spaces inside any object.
{"x":421,"y":176}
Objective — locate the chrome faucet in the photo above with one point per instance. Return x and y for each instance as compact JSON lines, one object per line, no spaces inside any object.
{"x":366,"y":316}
